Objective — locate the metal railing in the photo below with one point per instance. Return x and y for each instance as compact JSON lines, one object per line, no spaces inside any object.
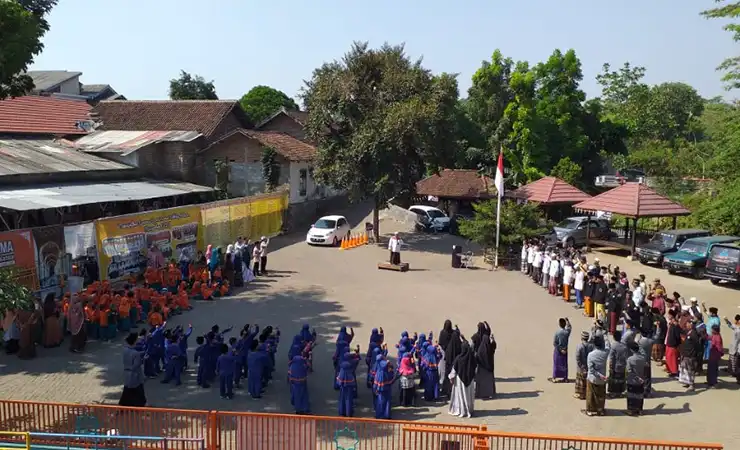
{"x":14,"y":440}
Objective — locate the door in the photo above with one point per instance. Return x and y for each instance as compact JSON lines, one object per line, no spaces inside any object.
{"x":342,"y":228}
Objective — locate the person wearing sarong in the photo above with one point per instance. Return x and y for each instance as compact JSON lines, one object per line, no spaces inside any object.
{"x":383,"y":388}
{"x":582,"y":350}
{"x":462,"y":376}
{"x":485,"y":379}
{"x":618,"y":356}
{"x":76,"y":326}
{"x":691,"y":350}
{"x":614,"y":302}
{"x":716,"y":349}
{"x":734,"y":351}
{"x":713,"y":320}
{"x":598,"y":297}
{"x":596,"y":378}
{"x":26,"y":345}
{"x":257,"y":364}
{"x":661,"y":327}
{"x":407,"y":377}
{"x":672,"y":345}
{"x":567,"y":279}
{"x":588,"y":292}
{"x":560,"y":352}
{"x":347,"y":381}
{"x":646,"y":346}
{"x":636,"y":367}
{"x":452,"y":351}
{"x":298,"y":378}
{"x":431,"y":373}
{"x":133,"y":375}
{"x":52,"y":329}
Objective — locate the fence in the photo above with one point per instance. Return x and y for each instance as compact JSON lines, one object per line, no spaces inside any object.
{"x":10,"y":440}
{"x":237,"y":431}
{"x":60,"y":441}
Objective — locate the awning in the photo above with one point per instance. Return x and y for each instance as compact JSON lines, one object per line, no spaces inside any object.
{"x":70,"y":194}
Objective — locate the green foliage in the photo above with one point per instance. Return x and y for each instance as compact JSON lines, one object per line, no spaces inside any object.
{"x":517,"y":222}
{"x":720,"y":214}
{"x":567,"y":171}
{"x":189,"y":87}
{"x":731,"y":66}
{"x":263,"y":101}
{"x":22,"y":25}
{"x":270,"y":168}
{"x":12,"y":294}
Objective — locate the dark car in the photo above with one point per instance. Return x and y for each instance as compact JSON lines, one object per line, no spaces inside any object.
{"x":723,"y":263}
{"x":664,"y":242}
{"x":691,"y":258}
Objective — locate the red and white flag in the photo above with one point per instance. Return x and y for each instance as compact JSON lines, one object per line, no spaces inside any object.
{"x":499,"y":180}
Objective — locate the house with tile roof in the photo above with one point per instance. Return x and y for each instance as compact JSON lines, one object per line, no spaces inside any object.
{"x":47,"y":117}
{"x":66,"y":84}
{"x":286,"y":121}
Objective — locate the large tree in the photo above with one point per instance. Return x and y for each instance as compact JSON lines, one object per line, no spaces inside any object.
{"x":192,"y":87}
{"x":263,"y":101}
{"x":731,"y":66}
{"x":22,"y":25}
{"x":380,"y":121}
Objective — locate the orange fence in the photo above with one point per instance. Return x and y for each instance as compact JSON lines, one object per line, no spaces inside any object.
{"x":237,"y":431}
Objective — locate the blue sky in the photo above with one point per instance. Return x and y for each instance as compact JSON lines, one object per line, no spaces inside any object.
{"x":136,"y":46}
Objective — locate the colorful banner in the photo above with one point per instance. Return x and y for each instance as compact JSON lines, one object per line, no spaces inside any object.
{"x":123,"y":242}
{"x":17,"y":249}
{"x":79,"y":240}
{"x":216,"y":225}
{"x":249,"y":217}
{"x":51,"y":256}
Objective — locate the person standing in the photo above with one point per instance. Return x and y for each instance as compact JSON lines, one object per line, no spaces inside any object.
{"x":394,"y":246}
{"x":537,"y":264}
{"x":256,"y":260}
{"x":599,"y":297}
{"x":530,"y":260}
{"x":646,"y":347}
{"x":636,"y":367}
{"x":133,"y":375}
{"x":76,"y":325}
{"x":485,"y":380}
{"x":596,"y":378}
{"x":734,"y":362}
{"x":525,"y":245}
{"x":716,"y":349}
{"x":567,"y":278}
{"x":618,"y":356}
{"x":546,"y":260}
{"x":691,"y":349}
{"x":582,"y":350}
{"x":554,"y":275}
{"x":614,"y":303}
{"x":672,"y":345}
{"x":560,"y":352}
{"x":579,"y":280}
{"x":298,"y":379}
{"x":264,"y":242}
{"x":462,"y":399}
{"x":588,"y":292}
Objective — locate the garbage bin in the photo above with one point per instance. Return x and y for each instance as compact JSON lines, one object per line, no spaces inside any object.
{"x":456,"y":256}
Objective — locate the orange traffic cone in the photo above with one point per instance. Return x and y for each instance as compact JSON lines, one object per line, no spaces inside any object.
{"x":344,"y":244}
{"x":364,"y":239}
{"x":353,"y":241}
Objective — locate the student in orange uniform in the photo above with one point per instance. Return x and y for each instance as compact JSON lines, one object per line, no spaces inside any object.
{"x":224,"y":288}
{"x":206,"y":292}
{"x":103,"y":314}
{"x":155,"y":317}
{"x":91,"y":321}
{"x":124,"y":313}
{"x":145,"y":298}
{"x":195,"y":291}
{"x":183,"y":302}
{"x":174,"y":275}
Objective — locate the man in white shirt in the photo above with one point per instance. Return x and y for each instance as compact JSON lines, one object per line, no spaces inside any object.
{"x":545,"y":270}
{"x":530,"y":260}
{"x":554,"y":275}
{"x":524,"y":257}
{"x":394,"y":245}
{"x":263,"y":254}
{"x":567,"y":278}
{"x":537,"y":264}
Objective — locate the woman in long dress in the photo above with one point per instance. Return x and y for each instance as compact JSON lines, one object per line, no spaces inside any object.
{"x":52,"y":328}
{"x":133,"y":375}
{"x":76,"y":326}
{"x":463,"y":386}
{"x":452,"y":351}
{"x":485,"y":381}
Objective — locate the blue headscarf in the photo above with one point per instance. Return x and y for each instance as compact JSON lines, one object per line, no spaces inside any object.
{"x":340,"y":349}
{"x":420,"y":341}
{"x":343,"y":335}
{"x":377,"y":357}
{"x":370,"y":356}
{"x":430,"y":357}
{"x":383,"y":377}
{"x":346,"y":375}
{"x":296,"y":348}
{"x":375,"y":337}
{"x":306,"y":333}
{"x":298,"y":370}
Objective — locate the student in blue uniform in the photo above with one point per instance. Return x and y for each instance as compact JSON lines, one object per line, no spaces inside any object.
{"x":225,"y":368}
{"x":347,"y":381}
{"x":383,"y":388}
{"x":298,"y":377}
{"x":256,"y":364}
{"x":201,"y":359}
{"x":182,"y":341}
{"x":173,"y":362}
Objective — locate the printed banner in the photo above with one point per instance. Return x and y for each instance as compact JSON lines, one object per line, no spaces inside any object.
{"x":216,"y":225}
{"x":17,"y":249}
{"x":79,"y":240}
{"x":123,"y":242}
{"x":240,"y":220}
{"x":51,"y":259}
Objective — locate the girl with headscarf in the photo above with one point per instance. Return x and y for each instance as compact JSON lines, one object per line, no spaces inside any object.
{"x":75,"y":325}
{"x":430,"y":364}
{"x":445,"y":334}
{"x":463,"y":376}
{"x":344,"y":336}
{"x":256,"y":365}
{"x":373,"y":368}
{"x":377,"y":337}
{"x":298,"y":377}
{"x":52,"y":329}
{"x":372,"y":352}
{"x":383,"y":388}
{"x":452,"y":351}
{"x":296,"y":348}
{"x":214,"y":261}
{"x":339,"y":351}
{"x":407,"y":374}
{"x":228,"y":268}
{"x":347,"y":381}
{"x":485,"y":380}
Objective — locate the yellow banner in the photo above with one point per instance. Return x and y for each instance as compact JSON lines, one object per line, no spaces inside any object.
{"x":124,"y":241}
{"x":216,"y":225}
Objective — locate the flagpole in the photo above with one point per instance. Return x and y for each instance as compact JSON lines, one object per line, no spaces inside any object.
{"x":498,"y":220}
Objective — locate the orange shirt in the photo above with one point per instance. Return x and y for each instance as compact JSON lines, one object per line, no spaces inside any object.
{"x":155,"y":319}
{"x":124,"y":308}
{"x":103,"y":317}
{"x":90,"y":314}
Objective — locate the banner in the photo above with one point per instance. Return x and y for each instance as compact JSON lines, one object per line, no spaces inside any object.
{"x":17,"y":249}
{"x":123,"y":242}
{"x":51,"y":260}
{"x":79,"y":240}
{"x":216,"y":225}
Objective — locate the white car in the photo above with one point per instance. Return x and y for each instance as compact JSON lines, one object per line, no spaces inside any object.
{"x":328,"y":230}
{"x":431,"y":218}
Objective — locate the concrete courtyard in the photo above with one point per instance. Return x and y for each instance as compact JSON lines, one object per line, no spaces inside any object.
{"x":327,"y":288}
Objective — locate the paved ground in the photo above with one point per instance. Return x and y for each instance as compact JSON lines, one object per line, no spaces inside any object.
{"x":329,"y":288}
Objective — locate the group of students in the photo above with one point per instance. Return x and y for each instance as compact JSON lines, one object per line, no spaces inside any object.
{"x":644,"y":324}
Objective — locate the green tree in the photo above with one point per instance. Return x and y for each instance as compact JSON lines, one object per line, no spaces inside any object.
{"x":721,"y":213}
{"x":567,"y":171}
{"x":731,"y":66}
{"x":517,"y":222}
{"x":380,"y":121}
{"x":263,"y":101}
{"x":192,"y":87}
{"x":270,"y":168}
{"x":22,"y":25}
{"x":12,"y":294}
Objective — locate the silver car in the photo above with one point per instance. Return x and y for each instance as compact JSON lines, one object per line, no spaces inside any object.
{"x":571,"y":232}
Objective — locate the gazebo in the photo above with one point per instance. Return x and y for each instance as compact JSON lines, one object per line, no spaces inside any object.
{"x":549,"y":192}
{"x":458,"y":188}
{"x":634,"y":201}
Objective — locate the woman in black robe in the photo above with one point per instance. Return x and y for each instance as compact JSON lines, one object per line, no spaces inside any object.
{"x":485,"y":380}
{"x":452,"y":351}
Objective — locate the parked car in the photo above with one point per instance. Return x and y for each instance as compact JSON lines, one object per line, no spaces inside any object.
{"x":571,"y":232}
{"x":328,"y":230}
{"x":691,"y":257}
{"x":430,"y":218}
{"x":724,"y":263}
{"x":664,"y":242}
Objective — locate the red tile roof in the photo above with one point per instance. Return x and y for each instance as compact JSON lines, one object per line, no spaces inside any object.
{"x":43,"y":115}
{"x":457,"y":183}
{"x":633,"y":200}
{"x":203,"y":116}
{"x":550,"y":191}
{"x":289,"y":147}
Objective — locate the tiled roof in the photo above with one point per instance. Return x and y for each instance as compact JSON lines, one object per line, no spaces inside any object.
{"x":43,"y":115}
{"x":300,"y":117}
{"x":457,"y":183}
{"x":550,"y":191}
{"x":287,"y":146}
{"x":202,"y":116}
{"x":633,"y":200}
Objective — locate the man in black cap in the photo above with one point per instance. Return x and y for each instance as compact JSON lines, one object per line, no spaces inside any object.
{"x":582,"y":350}
{"x":599,"y":297}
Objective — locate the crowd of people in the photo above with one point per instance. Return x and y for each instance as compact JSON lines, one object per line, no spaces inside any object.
{"x":635,"y":322}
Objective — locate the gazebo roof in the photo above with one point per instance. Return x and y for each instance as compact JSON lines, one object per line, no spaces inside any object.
{"x":457,"y":183}
{"x":633,"y":200}
{"x":550,"y":191}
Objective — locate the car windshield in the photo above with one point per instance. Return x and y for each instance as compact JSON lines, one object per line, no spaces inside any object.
{"x":694,"y":248}
{"x":664,"y":240}
{"x":570,"y":224}
{"x":435,"y":213}
{"x":727,"y":255}
{"x":325,"y":224}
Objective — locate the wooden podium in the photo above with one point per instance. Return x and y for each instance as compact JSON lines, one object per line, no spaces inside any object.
{"x":403,"y":267}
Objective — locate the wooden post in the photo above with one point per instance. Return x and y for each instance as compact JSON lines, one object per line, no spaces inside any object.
{"x":675,"y":222}
{"x":634,"y":236}
{"x":588,"y":231}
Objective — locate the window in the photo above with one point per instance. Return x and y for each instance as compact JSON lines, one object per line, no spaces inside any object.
{"x":302,"y":182}
{"x":341,"y":222}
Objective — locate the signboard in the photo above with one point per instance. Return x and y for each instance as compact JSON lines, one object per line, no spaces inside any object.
{"x":123,"y":242}
{"x":17,"y":249}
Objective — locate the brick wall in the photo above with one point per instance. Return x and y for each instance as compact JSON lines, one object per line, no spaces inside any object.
{"x":229,"y":124}
{"x":285,"y":124}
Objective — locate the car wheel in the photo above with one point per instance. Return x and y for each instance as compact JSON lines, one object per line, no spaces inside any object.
{"x":699,"y":273}
{"x":643,"y":261}
{"x":671,"y":271}
{"x":714,"y":280}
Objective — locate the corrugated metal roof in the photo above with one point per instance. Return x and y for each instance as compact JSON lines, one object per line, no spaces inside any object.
{"x":59,"y":195}
{"x":47,"y":79}
{"x":125,"y":142}
{"x":37,"y":156}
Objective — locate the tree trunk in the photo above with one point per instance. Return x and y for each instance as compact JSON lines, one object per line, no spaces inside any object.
{"x":376,"y":219}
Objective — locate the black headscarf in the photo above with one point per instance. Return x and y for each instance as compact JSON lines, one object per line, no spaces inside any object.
{"x":453,"y":349}
{"x":476,"y":338}
{"x":485,"y":351}
{"x":445,"y":334}
{"x":465,"y":365}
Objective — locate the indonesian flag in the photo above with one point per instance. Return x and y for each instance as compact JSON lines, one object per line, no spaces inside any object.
{"x":499,"y":180}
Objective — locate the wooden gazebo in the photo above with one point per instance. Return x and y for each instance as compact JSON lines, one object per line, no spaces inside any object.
{"x":634,"y":201}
